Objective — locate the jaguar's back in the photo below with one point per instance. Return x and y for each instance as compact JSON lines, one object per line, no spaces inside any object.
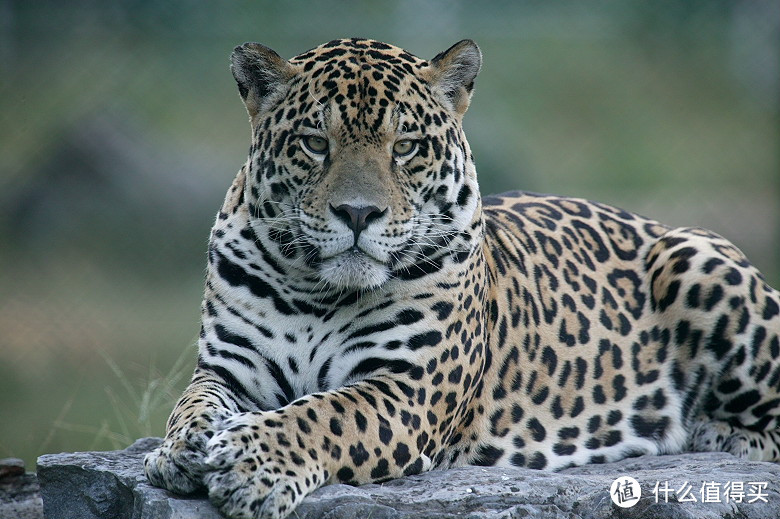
{"x":619,"y":336}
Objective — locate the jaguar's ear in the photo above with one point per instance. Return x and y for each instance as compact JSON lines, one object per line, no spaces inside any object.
{"x":262,"y":76}
{"x":452,"y":74}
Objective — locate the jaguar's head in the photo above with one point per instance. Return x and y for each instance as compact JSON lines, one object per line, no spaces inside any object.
{"x":359,"y":171}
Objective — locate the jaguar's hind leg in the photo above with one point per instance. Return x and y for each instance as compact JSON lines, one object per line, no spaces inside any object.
{"x":726,"y":325}
{"x":717,"y":436}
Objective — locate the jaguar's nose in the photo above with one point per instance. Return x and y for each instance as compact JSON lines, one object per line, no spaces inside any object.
{"x":357,"y":218}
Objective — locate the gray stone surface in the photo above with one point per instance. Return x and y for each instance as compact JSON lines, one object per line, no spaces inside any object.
{"x":19,"y":496}
{"x":102,"y":485}
{"x":112,"y":485}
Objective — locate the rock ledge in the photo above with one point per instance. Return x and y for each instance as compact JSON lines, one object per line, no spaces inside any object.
{"x":92,"y":485}
{"x":19,"y":495}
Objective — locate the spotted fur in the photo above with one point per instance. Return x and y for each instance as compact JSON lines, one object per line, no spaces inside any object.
{"x":367,"y":315}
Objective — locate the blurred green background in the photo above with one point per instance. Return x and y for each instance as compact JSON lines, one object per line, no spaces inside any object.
{"x":121,"y":129}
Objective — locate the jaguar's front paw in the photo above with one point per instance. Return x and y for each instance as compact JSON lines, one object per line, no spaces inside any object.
{"x":253,"y":471}
{"x":178,"y":464}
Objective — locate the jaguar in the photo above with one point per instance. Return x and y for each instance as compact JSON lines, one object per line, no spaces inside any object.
{"x":368,"y":315}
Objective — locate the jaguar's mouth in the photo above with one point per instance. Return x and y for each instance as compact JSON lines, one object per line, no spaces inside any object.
{"x":354,"y":268}
{"x":354,"y":250}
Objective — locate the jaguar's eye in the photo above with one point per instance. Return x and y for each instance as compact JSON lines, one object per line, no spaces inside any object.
{"x":404,"y":148}
{"x":315,"y":144}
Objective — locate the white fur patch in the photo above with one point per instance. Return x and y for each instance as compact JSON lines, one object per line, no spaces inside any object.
{"x":354,"y":269}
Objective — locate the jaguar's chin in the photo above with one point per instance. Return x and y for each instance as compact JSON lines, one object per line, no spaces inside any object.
{"x":354,"y":269}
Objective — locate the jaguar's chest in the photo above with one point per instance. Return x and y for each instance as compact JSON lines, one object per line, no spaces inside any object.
{"x":282,"y":341}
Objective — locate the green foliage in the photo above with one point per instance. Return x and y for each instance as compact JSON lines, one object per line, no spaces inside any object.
{"x":137,"y":404}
